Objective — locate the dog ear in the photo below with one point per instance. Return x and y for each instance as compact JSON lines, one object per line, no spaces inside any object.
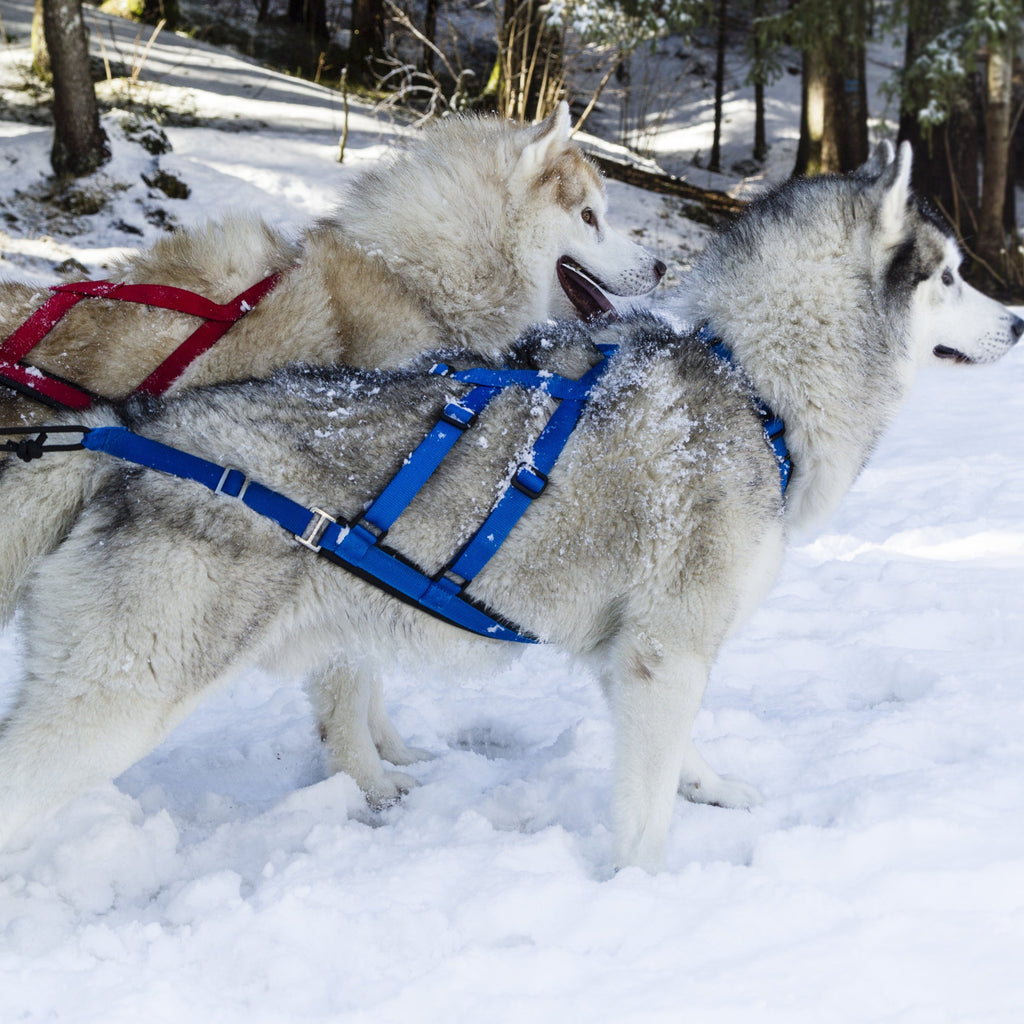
{"x":550,"y":140}
{"x":875,"y":165}
{"x":895,"y":186}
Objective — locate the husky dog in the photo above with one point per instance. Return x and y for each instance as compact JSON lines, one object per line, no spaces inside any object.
{"x":477,"y":230}
{"x":662,"y":523}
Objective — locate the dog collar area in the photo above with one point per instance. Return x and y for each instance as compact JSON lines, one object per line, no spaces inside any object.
{"x":773,"y":425}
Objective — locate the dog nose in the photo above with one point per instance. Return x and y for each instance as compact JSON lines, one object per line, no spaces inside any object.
{"x":1017,"y":328}
{"x":660,"y":270}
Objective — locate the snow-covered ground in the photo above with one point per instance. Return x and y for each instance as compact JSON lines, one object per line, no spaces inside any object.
{"x":876,"y":700}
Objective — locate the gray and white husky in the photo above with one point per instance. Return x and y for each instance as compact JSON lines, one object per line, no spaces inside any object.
{"x":662,"y":524}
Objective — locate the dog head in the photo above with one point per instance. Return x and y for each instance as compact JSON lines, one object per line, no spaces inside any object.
{"x":592,"y":268}
{"x":949,"y":319}
{"x":492,"y":226}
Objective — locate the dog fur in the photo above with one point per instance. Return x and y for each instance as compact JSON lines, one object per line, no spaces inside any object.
{"x":147,"y":591}
{"x":475,"y":231}
{"x":462,"y":239}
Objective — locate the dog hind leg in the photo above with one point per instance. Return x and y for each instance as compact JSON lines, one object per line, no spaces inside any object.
{"x":386,"y":738}
{"x":63,"y":738}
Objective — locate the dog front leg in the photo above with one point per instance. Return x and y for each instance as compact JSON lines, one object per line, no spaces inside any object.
{"x":355,"y":729}
{"x":654,"y":702}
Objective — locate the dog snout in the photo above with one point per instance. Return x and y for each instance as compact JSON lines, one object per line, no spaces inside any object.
{"x":1016,"y":328}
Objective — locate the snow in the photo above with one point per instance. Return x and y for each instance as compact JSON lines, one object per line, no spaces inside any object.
{"x":875,"y":699}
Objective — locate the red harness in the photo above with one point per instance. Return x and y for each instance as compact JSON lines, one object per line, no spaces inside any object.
{"x":52,"y":390}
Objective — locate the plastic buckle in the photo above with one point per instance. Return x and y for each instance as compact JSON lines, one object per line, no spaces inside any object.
{"x":310,"y":537}
{"x":457,"y":415}
{"x":529,"y":481}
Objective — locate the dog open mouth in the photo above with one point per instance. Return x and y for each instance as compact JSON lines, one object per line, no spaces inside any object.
{"x":585,"y":292}
{"x":945,"y":352}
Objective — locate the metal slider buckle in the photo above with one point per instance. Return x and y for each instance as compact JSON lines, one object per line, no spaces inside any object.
{"x":319,"y":522}
{"x":228,"y":470}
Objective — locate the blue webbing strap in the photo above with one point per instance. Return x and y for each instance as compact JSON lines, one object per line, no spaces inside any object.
{"x":774,"y":428}
{"x":354,"y":547}
{"x":458,"y":415}
{"x":530,"y":478}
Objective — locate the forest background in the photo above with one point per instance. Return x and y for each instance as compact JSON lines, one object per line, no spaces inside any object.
{"x":958,"y":95}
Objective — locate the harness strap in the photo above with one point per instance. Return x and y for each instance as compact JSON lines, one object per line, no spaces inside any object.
{"x":773,"y":425}
{"x":217,"y":317}
{"x":357,"y":545}
{"x":419,"y":467}
{"x":530,"y":478}
{"x":349,"y":545}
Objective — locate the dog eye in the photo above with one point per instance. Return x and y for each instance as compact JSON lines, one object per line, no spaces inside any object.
{"x":947,"y":277}
{"x":589,"y":217}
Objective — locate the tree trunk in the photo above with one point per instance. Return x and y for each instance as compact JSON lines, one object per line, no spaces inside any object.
{"x":833,"y":120}
{"x":946,"y":158}
{"x":367,"y":41}
{"x":429,"y":32}
{"x":760,"y":135}
{"x":79,"y":143}
{"x":311,"y":15}
{"x":715,"y":163}
{"x":849,"y":95}
{"x":998,"y":97}
{"x":810,"y":153}
{"x":40,"y":54}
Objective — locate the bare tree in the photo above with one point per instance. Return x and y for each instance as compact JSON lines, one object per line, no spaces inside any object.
{"x":79,"y":143}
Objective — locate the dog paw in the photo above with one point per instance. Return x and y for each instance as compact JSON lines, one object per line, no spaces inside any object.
{"x":406,"y":755}
{"x":720,"y":791}
{"x":389,"y":789}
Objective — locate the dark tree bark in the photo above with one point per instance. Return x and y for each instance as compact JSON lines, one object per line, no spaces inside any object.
{"x":833,"y":119}
{"x":430,"y":32}
{"x":79,"y":143}
{"x":311,"y":15}
{"x":946,"y":158}
{"x":760,"y":135}
{"x":715,"y":163}
{"x":367,"y":41}
{"x":998,"y":102}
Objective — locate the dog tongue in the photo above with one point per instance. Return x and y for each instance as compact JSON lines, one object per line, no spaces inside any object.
{"x":584,"y":292}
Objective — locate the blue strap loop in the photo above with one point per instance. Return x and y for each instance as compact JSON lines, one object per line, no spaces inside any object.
{"x":773,"y":425}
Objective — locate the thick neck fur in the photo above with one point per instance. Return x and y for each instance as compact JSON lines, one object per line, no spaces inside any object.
{"x":796,"y":290}
{"x":446,"y":196}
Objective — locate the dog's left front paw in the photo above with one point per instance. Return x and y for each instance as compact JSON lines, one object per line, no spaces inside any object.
{"x":721,"y":791}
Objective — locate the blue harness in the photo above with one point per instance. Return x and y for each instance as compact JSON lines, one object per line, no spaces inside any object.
{"x":774,"y":428}
{"x":358,"y":545}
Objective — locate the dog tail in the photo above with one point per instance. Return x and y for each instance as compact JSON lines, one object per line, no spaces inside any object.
{"x":39,"y":502}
